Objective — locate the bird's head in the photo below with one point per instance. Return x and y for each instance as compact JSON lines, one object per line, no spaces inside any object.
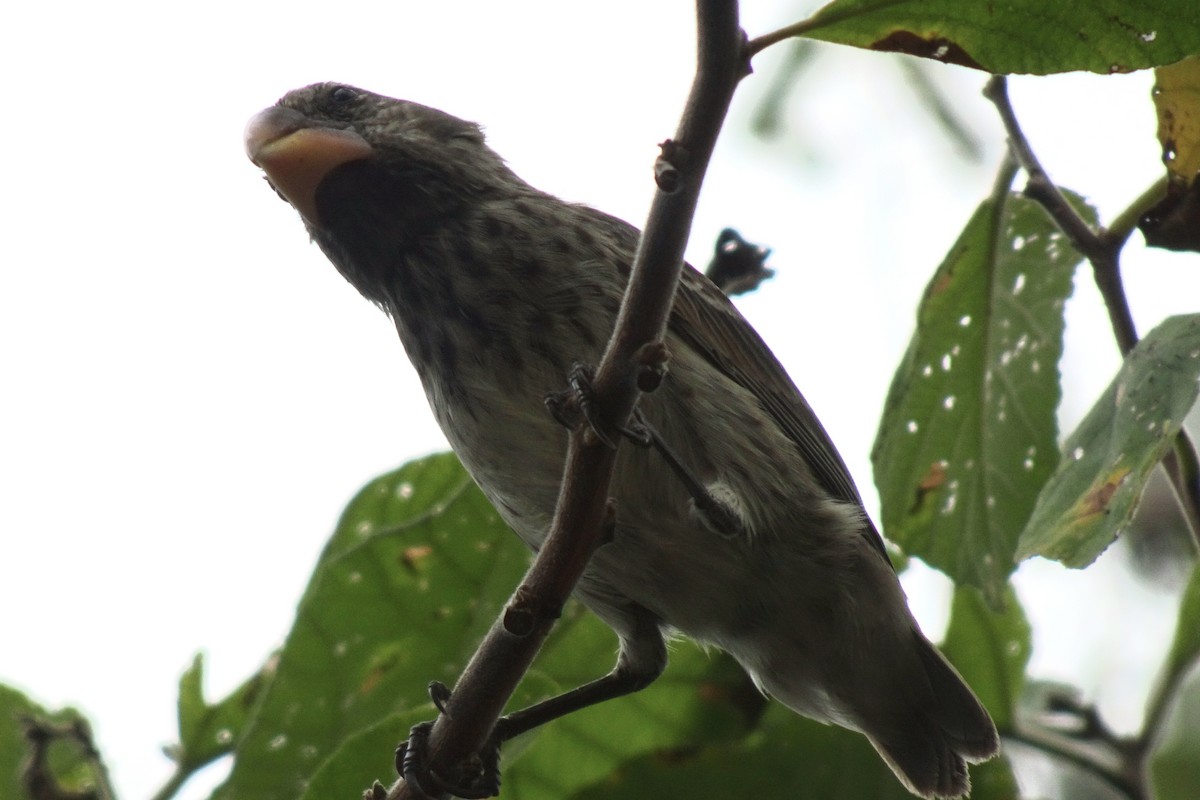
{"x":332,"y":150}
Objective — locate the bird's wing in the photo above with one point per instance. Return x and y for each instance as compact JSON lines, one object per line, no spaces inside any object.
{"x":705,"y":319}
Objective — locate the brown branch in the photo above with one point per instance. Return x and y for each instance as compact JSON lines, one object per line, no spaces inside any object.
{"x":510,"y":646}
{"x":1094,"y":245}
{"x":1102,"y":248}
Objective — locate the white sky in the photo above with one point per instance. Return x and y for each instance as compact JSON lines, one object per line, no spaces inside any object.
{"x":191,"y":393}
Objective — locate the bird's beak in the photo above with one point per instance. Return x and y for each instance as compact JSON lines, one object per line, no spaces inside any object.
{"x":297,"y":156}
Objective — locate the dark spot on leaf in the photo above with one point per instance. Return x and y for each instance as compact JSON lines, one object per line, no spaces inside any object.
{"x":931,"y":481}
{"x":1097,"y":500}
{"x":676,"y":755}
{"x":374,"y":678}
{"x":412,"y":557}
{"x":938,"y":48}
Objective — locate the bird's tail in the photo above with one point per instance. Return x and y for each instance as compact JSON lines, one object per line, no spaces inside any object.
{"x":929,"y":744}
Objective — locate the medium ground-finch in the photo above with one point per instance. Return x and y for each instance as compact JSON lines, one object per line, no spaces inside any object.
{"x":496,"y":289}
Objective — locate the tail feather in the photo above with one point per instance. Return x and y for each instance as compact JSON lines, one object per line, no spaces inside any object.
{"x":930,"y":747}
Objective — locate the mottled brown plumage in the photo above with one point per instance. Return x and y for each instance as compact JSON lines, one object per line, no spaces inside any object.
{"x":496,"y":288}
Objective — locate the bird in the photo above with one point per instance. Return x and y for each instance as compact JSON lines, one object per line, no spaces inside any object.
{"x":755,"y":541}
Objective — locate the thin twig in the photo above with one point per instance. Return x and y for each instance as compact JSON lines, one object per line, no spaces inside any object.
{"x":1087,"y":754}
{"x":1092,"y":244}
{"x":1103,"y":250}
{"x":502,"y":659}
{"x":942,"y":108}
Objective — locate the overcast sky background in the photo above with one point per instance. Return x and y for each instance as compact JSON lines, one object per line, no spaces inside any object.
{"x":191,"y":393}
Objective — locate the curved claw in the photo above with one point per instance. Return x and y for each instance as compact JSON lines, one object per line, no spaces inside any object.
{"x":440,"y":695}
{"x":580,"y":379}
{"x":410,"y":758}
{"x":477,"y":778}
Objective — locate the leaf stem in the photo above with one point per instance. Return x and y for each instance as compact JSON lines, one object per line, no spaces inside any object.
{"x":174,"y":783}
{"x":760,"y":43}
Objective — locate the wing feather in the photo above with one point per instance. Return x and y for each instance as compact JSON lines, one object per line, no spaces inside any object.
{"x":705,"y":319}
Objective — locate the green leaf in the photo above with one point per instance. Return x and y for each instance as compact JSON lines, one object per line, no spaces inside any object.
{"x":364,"y":757}
{"x":414,"y":576}
{"x":415,"y":573}
{"x":990,"y":650}
{"x":1174,"y":222}
{"x":207,"y":732}
{"x":1185,"y":650}
{"x":698,"y":700}
{"x":968,"y":434}
{"x":68,"y":765}
{"x":1177,"y":99}
{"x":1175,"y":762}
{"x":788,"y":757}
{"x":1110,"y":456}
{"x":1018,"y":36}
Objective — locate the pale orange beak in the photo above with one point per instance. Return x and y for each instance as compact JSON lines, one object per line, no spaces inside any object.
{"x":296,"y":155}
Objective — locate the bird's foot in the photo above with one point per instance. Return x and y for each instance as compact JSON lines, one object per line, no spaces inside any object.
{"x":576,"y":405}
{"x":474,"y":778}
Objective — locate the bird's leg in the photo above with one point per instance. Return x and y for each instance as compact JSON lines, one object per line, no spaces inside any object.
{"x":621,"y":681}
{"x":719,"y":516}
{"x":576,"y":405}
{"x":478,"y":777}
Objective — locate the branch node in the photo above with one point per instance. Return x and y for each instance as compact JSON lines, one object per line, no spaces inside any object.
{"x":651,"y":359}
{"x":666,"y":166}
{"x":518,"y":621}
{"x":526,"y":610}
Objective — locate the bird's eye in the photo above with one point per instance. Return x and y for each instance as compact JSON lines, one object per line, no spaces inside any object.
{"x":342,"y":95}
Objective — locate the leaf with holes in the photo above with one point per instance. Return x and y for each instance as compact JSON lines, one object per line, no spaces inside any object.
{"x":1018,"y":36}
{"x":1110,"y":456}
{"x":968,"y":434}
{"x":1177,"y":100}
{"x":207,"y":732}
{"x":415,"y":574}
